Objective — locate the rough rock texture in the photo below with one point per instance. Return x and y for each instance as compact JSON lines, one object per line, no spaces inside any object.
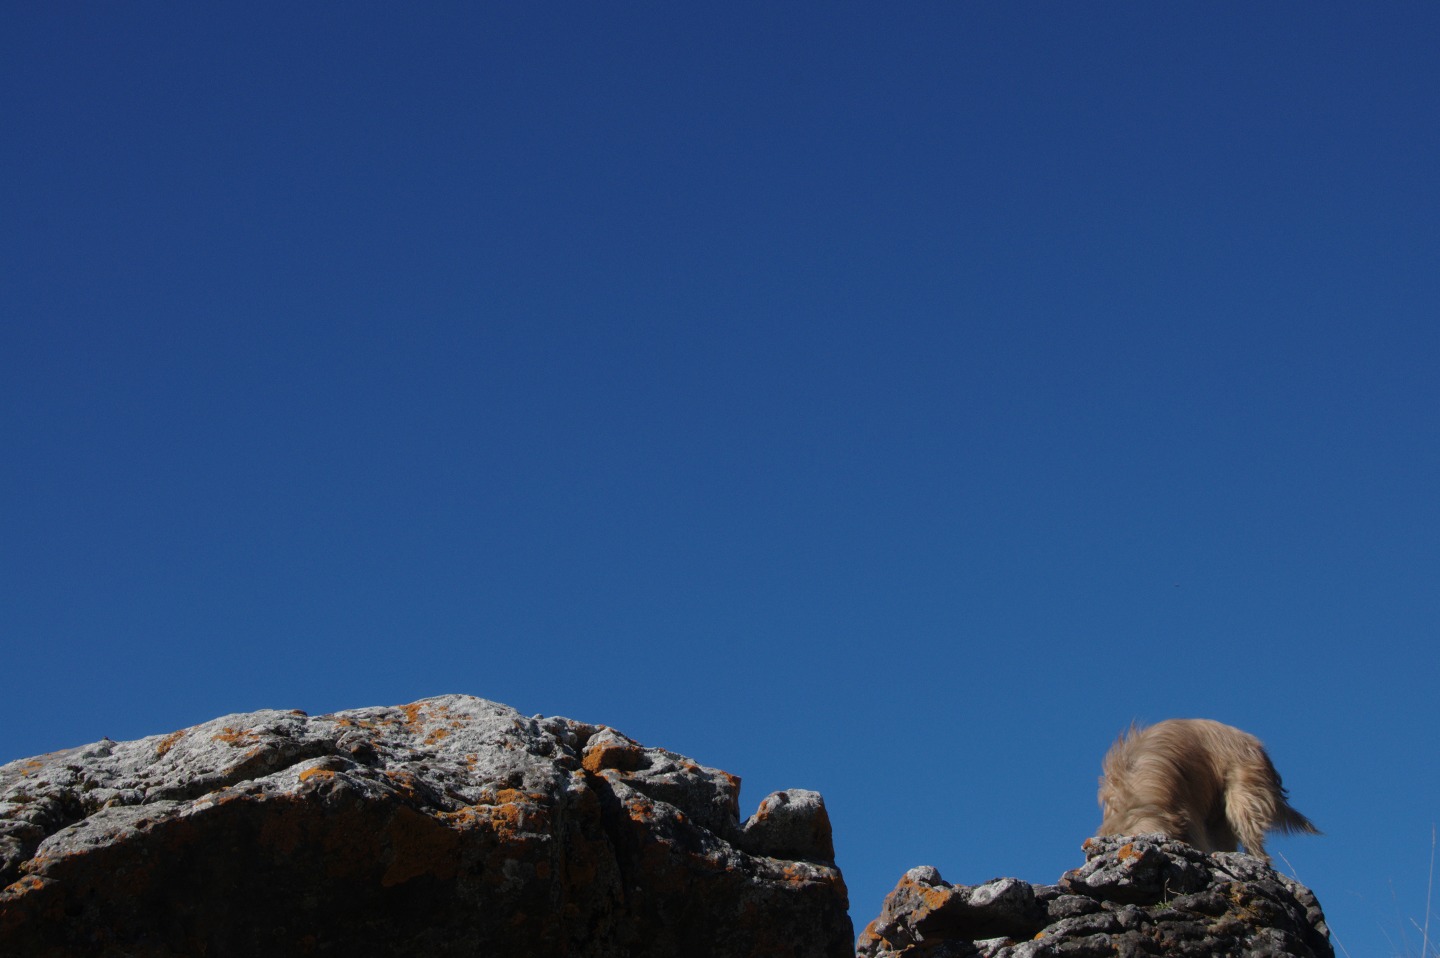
{"x":452,"y":826}
{"x":1133,"y":896}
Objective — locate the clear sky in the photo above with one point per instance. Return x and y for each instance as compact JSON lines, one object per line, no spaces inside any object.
{"x":895,"y":402}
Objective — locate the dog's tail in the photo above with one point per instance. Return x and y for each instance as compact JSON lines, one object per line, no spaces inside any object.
{"x":1256,"y":802}
{"x":1289,"y":820}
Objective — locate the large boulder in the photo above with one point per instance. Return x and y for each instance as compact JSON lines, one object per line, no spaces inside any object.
{"x":1133,"y":897}
{"x":451,"y":826}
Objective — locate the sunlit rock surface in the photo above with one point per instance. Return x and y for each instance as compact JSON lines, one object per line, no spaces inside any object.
{"x":451,"y":826}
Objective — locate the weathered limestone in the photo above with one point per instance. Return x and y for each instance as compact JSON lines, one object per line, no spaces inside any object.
{"x":1133,"y":897}
{"x":451,"y":826}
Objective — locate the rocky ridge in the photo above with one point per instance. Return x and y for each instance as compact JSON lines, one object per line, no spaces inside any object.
{"x":451,"y":826}
{"x":457,"y":826}
{"x":1133,"y":896}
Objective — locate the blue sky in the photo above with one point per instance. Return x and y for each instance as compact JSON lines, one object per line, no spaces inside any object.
{"x":895,"y":403}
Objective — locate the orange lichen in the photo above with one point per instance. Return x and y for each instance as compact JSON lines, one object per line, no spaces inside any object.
{"x":507,"y":820}
{"x":463,"y":817}
{"x":623,"y":758}
{"x":512,"y":815}
{"x":167,"y":743}
{"x":794,"y":873}
{"x":324,"y":774}
{"x":933,"y":897}
{"x":436,"y":735}
{"x":28,"y":883}
{"x":32,"y":766}
{"x":402,"y":780}
{"x":237,"y":737}
{"x":641,"y":809}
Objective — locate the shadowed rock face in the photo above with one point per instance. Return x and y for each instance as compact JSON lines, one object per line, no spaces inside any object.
{"x":1133,"y":896}
{"x":452,"y":826}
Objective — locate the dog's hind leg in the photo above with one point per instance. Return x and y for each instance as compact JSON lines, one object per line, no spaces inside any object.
{"x":1250,"y":811}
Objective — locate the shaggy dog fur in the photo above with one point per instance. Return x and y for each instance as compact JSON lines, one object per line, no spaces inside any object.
{"x":1198,"y":781}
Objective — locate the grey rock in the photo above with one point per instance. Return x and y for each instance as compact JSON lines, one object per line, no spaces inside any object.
{"x":790,"y":824}
{"x":1140,"y":872}
{"x":1133,"y":896}
{"x":450,"y":826}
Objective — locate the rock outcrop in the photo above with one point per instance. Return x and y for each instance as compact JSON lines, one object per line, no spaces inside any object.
{"x":452,"y":826}
{"x":1133,"y":897}
{"x":457,"y":826}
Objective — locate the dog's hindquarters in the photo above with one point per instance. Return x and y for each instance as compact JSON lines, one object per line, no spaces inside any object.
{"x":1256,"y":801}
{"x":1199,"y":781}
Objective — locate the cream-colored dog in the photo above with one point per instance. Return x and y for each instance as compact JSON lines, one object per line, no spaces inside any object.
{"x":1198,"y":781}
